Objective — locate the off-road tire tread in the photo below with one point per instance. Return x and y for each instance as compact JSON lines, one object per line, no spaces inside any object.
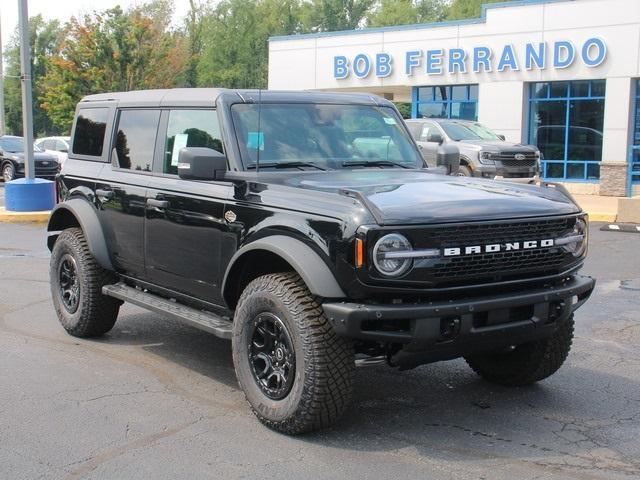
{"x":98,"y":312}
{"x":528,"y":363}
{"x":329,"y":379}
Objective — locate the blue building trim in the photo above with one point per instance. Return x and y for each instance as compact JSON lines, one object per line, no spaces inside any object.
{"x":416,"y":26}
{"x":633,"y":176}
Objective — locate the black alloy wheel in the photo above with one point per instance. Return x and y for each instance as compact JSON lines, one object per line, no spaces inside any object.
{"x":69,"y":283}
{"x":272,"y":356}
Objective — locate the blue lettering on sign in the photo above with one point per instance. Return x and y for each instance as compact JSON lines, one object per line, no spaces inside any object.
{"x":534,"y":55}
{"x":361,"y":65}
{"x":434,"y":61}
{"x":340,"y":67}
{"x":412,"y":60}
{"x":383,"y":65}
{"x":481,"y":56}
{"x":587,"y":52}
{"x":456,"y":59}
{"x":508,"y":59}
{"x":563,"y":54}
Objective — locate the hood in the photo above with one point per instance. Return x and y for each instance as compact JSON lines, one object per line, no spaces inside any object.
{"x":397,"y":197}
{"x":498,"y":145}
{"x":37,"y":156}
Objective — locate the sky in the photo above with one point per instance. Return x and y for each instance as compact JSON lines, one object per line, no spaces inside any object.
{"x":63,"y":9}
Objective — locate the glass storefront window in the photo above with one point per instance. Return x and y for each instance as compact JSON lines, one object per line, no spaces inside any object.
{"x":446,"y":101}
{"x":635,"y":148}
{"x":566,"y":122}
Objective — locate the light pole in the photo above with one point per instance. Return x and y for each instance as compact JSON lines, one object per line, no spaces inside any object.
{"x":25,"y":80}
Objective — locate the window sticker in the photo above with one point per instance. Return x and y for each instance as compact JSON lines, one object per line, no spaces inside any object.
{"x":390,"y":120}
{"x":255,"y":140}
{"x":180,"y":141}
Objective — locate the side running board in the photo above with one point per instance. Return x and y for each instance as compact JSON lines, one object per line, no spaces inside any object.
{"x":207,"y":321}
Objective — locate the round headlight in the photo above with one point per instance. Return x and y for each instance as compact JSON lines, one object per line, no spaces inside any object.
{"x":580,"y":233}
{"x":383,"y":258}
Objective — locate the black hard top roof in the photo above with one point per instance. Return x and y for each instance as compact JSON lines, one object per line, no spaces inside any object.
{"x":209,"y":96}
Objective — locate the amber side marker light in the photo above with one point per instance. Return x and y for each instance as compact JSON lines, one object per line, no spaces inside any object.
{"x":359,"y":253}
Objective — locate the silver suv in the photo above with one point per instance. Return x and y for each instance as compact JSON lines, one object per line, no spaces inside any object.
{"x":483,"y":153}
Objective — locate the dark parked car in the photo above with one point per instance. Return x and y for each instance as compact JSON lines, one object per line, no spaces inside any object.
{"x":306,"y":228}
{"x":12,"y":160}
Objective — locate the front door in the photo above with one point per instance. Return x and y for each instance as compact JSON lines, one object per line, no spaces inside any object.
{"x":185,"y":218}
{"x":429,"y":149}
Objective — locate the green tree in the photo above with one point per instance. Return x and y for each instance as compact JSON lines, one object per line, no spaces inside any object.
{"x":110,"y":51}
{"x":461,"y":9}
{"x":403,"y":12}
{"x":45,"y":39}
{"x":334,"y":15}
{"x":235,"y":40}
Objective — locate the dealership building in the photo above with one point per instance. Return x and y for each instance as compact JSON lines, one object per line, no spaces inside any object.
{"x":561,"y":74}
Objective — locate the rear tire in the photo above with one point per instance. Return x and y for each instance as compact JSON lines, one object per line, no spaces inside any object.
{"x":464,"y":171}
{"x":527,"y":363}
{"x":76,"y":282}
{"x":299,"y":378}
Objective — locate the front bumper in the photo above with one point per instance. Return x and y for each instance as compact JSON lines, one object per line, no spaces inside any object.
{"x":448,"y":329}
{"x":508,"y":174}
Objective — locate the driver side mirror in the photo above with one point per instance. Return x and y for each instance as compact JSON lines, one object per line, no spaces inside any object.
{"x":502,"y":137}
{"x":435,"y":137}
{"x":201,"y":163}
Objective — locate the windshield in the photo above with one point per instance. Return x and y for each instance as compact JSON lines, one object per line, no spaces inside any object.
{"x":468,"y":131}
{"x":15,"y":145}
{"x":311,"y":136}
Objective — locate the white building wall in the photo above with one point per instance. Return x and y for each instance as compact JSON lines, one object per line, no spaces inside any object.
{"x":306,"y":62}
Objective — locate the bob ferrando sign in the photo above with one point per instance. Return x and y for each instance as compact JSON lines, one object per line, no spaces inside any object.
{"x":436,"y":61}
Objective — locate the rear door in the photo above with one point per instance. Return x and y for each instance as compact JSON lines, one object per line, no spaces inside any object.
{"x":185,"y":218}
{"x":121,"y":188}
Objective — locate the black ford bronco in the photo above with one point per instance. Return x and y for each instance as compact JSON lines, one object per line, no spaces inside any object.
{"x":306,"y":228}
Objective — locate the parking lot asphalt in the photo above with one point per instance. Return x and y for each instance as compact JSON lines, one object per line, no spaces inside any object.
{"x":157,"y":399}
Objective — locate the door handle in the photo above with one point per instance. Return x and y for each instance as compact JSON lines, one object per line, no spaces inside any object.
{"x":152,"y":202}
{"x":106,"y":194}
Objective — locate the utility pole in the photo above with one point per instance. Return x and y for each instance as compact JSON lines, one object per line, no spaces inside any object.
{"x":2,"y":121}
{"x":25,"y":80}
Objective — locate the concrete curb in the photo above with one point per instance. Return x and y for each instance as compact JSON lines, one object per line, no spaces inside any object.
{"x":602,"y":217}
{"x":24,"y":217}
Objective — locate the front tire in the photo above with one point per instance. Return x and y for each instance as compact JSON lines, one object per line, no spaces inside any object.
{"x":8,"y":172}
{"x":76,"y":282}
{"x":464,"y":171}
{"x":527,"y":363}
{"x":296,"y":373}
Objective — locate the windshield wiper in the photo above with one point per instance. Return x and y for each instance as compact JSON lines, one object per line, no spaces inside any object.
{"x":284,"y":165}
{"x":374,"y":163}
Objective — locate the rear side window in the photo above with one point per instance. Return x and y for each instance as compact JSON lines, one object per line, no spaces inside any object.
{"x":88,"y":138}
{"x":136,"y":138}
{"x":190,"y":128}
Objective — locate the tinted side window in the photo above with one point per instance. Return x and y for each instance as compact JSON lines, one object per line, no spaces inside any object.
{"x":190,"y":128}
{"x":135,"y":139}
{"x":88,"y":138}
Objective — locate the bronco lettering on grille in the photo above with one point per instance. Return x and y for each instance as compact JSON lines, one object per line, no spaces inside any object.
{"x":497,"y":247}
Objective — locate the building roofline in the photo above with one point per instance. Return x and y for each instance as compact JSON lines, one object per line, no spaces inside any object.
{"x":416,"y":26}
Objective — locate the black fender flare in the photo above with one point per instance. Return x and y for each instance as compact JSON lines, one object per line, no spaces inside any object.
{"x":87,"y":217}
{"x":307,"y":263}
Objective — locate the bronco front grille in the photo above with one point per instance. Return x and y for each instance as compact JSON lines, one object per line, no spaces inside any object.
{"x":478,"y":268}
